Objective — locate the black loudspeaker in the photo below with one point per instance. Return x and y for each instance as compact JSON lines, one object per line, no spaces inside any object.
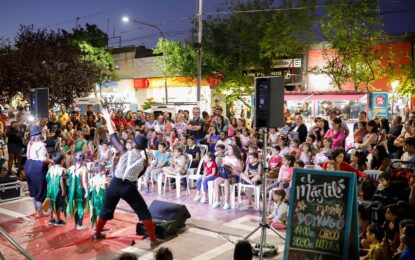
{"x":39,"y":102}
{"x":162,"y":210}
{"x":269,"y":102}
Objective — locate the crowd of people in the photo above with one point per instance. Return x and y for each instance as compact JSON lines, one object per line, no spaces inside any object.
{"x":227,"y":151}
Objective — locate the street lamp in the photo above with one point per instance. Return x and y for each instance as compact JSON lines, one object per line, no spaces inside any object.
{"x":127,"y":19}
{"x":394,"y":85}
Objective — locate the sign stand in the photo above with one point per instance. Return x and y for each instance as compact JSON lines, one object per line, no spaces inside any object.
{"x":322,"y":217}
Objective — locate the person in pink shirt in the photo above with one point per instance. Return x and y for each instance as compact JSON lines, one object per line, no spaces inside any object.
{"x":336,"y":134}
{"x":274,"y":162}
{"x":285,"y":174}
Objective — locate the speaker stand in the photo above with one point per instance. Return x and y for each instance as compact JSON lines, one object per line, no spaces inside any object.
{"x":264,"y":222}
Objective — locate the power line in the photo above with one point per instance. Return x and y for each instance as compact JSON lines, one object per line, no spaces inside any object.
{"x":285,"y":9}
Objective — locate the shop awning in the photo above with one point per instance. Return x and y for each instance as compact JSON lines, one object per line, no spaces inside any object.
{"x":300,"y":98}
{"x":323,"y":97}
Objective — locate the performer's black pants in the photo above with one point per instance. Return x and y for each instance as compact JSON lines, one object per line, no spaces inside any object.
{"x":126,"y":190}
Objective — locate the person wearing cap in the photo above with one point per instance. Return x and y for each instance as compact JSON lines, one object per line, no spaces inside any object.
{"x":78,"y":185}
{"x":36,"y":168}
{"x":131,"y":165}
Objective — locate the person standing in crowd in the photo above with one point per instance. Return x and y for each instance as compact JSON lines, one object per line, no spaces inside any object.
{"x":63,"y":116}
{"x":90,"y":111}
{"x":298,"y":130}
{"x":36,"y":168}
{"x":74,"y":107}
{"x":15,"y":143}
{"x":131,"y":165}
{"x":119,"y":120}
{"x":53,"y":127}
{"x":75,"y":120}
{"x":394,"y":132}
{"x":362,"y":117}
{"x":195,"y":126}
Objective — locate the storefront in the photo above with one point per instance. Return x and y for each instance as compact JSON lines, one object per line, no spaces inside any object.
{"x":316,"y":104}
{"x":180,"y":89}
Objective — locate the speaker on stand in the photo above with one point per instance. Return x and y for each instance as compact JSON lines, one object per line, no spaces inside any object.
{"x":269,"y":113}
{"x":39,"y":102}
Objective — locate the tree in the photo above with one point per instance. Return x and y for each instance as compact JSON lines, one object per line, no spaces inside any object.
{"x":241,"y":40}
{"x":92,"y":42}
{"x":41,"y":58}
{"x":353,"y":29}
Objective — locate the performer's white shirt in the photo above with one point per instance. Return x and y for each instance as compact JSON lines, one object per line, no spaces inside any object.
{"x":37,"y":151}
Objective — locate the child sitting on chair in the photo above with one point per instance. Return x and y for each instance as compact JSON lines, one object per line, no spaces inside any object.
{"x":210,"y":167}
{"x":253,"y":171}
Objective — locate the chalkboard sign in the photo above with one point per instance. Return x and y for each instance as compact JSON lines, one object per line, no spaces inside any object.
{"x":322,"y":218}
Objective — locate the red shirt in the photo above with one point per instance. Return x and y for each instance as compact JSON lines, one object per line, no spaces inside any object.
{"x":346,"y":168}
{"x":119,"y":122}
{"x":209,"y":169}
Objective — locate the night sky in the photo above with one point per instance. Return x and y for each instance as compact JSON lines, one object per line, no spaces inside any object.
{"x":172,"y":16}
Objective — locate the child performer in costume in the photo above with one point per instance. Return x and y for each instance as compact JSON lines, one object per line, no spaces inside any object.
{"x":77,"y":193}
{"x":56,"y":189}
{"x":97,"y":187}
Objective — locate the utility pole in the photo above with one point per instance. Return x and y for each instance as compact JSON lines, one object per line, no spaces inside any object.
{"x":199,"y":51}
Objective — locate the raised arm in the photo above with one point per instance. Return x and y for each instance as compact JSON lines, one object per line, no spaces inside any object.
{"x":111,"y":130}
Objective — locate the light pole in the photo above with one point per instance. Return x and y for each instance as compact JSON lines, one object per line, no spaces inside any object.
{"x":394,"y":86}
{"x":126,"y":19}
{"x":198,"y":46}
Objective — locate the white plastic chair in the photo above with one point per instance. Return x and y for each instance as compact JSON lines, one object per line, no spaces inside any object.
{"x":211,"y":193}
{"x":257,"y":193}
{"x":176,"y":176}
{"x":194,"y":176}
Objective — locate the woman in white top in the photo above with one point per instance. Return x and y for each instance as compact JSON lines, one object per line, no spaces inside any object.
{"x":36,"y":168}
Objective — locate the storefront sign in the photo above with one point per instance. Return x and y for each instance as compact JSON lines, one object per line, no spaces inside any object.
{"x":322,"y":218}
{"x":379,"y":101}
{"x":287,"y":63}
{"x":141,"y":83}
